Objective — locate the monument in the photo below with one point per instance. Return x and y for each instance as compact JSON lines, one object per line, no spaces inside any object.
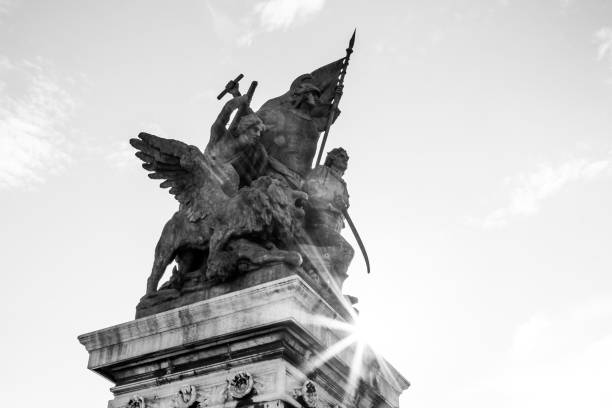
{"x":253,"y":314}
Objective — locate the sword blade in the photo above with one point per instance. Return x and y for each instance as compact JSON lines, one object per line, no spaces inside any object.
{"x":357,"y":238}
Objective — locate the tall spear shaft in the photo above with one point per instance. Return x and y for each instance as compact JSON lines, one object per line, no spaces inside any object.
{"x":337,"y":96}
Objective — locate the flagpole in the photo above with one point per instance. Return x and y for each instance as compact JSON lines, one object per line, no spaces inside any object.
{"x":337,"y":96}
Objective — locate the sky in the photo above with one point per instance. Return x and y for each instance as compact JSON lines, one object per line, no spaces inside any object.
{"x":480,"y":175}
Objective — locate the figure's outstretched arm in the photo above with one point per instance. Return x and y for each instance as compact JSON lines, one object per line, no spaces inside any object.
{"x":244,"y":109}
{"x":218,"y":129}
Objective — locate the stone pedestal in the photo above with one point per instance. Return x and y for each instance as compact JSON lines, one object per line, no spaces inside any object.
{"x":259,"y":346}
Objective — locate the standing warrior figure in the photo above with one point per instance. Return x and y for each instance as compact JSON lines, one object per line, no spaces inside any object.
{"x":294,"y":121}
{"x":328,"y":199}
{"x":292,"y":134}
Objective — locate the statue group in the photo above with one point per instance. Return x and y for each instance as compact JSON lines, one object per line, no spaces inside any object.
{"x":252,"y":198}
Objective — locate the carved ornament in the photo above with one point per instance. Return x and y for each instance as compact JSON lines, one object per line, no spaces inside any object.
{"x":241,"y":385}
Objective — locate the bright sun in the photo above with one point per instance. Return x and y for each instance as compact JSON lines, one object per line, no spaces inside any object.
{"x":358,"y":338}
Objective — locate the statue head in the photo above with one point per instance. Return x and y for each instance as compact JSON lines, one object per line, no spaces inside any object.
{"x":337,"y":159}
{"x":304,"y":94}
{"x":250,"y":127}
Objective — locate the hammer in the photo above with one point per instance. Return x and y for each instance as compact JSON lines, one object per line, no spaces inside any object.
{"x":230,"y":85}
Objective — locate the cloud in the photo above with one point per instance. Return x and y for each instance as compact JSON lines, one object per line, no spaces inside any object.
{"x":281,"y":14}
{"x":604,"y":43}
{"x":264,"y":16}
{"x":34,"y":109}
{"x":227,"y":29}
{"x":529,"y":190}
{"x":121,"y":154}
{"x":560,"y":358}
{"x":6,"y":6}
{"x":566,"y":4}
{"x":603,"y":38}
{"x":571,"y":350}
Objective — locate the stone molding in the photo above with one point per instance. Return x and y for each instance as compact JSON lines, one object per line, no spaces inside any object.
{"x":267,"y":331}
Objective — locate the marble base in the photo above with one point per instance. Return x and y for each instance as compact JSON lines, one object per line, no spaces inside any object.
{"x":327,"y":285}
{"x":268,"y":331}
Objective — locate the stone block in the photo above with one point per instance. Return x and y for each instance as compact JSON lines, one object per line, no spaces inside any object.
{"x":268,"y":333}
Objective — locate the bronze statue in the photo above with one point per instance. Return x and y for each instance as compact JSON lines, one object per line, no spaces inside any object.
{"x":291,"y":133}
{"x":328,"y":199}
{"x":207,"y":186}
{"x":294,"y":121}
{"x":251,"y":198}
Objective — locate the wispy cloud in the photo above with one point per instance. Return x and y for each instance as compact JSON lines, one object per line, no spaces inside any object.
{"x":529,"y":190}
{"x":6,"y":6}
{"x":33,"y":113}
{"x":603,"y":39}
{"x":121,"y":154}
{"x":545,"y":335}
{"x":557,"y":358}
{"x":281,"y":14}
{"x":566,"y":4}
{"x":572,"y":347}
{"x":228,"y":29}
{"x":264,"y":16}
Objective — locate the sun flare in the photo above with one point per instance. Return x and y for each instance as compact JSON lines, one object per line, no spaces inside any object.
{"x":355,"y":347}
